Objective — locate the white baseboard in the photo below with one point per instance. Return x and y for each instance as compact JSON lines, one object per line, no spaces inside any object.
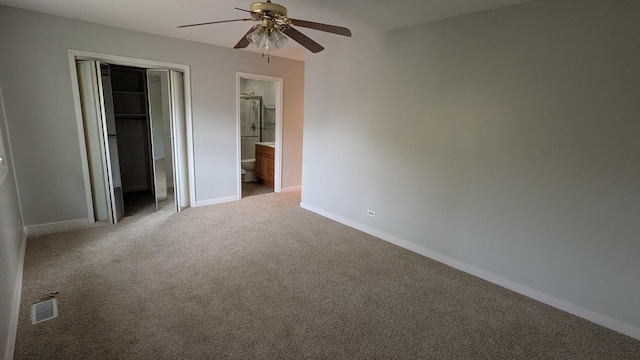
{"x":608,"y":322}
{"x":56,"y":226}
{"x":17,"y":292}
{"x":291,"y":189}
{"x":217,"y":201}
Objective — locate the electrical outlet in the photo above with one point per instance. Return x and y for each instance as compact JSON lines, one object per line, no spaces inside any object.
{"x":371,"y":213}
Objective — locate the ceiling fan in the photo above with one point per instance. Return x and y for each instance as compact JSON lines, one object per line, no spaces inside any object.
{"x":273,"y":23}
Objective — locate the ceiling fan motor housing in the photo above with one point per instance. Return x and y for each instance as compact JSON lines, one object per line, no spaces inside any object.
{"x":268,"y":8}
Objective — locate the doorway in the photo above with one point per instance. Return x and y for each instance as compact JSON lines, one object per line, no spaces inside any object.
{"x":259,"y":120}
{"x":137,"y":138}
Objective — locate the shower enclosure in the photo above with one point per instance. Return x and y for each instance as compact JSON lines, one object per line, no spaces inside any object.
{"x":257,"y":123}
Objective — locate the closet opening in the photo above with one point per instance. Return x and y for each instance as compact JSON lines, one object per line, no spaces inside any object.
{"x":135,"y":137}
{"x":131,"y":99}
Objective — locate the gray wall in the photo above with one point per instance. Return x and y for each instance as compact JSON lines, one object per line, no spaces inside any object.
{"x":11,"y":245}
{"x":40,"y":110}
{"x":506,"y":140}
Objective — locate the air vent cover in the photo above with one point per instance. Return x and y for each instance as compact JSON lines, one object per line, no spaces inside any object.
{"x":43,"y":311}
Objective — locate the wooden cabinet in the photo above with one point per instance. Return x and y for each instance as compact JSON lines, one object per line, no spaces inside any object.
{"x":265,"y":164}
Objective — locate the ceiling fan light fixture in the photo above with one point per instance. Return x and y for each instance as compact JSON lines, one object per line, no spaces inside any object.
{"x":255,"y":37}
{"x":275,"y":40}
{"x":275,"y":28}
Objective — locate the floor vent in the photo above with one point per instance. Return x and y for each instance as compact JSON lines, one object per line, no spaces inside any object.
{"x":43,"y":311}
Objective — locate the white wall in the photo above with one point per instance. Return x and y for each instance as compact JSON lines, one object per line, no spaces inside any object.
{"x":11,"y":250}
{"x":37,"y":83}
{"x":505,"y":141}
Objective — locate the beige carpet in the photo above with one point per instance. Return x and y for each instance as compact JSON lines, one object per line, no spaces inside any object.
{"x":262,"y":278}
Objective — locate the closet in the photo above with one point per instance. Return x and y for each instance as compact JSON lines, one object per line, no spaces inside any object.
{"x":131,"y":113}
{"x":135,"y":138}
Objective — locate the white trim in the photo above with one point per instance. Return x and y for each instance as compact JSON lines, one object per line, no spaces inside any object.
{"x":17,"y":293}
{"x":75,"y":55}
{"x":125,"y":60}
{"x":292,"y":188}
{"x":277,"y":181}
{"x":608,"y":322}
{"x":56,"y":226}
{"x":239,"y":140}
{"x":217,"y":201}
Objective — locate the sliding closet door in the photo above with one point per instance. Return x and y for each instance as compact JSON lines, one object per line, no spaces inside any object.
{"x":113,"y":162}
{"x":179,"y":140}
{"x":161,"y":149}
{"x":91,"y":114}
{"x":101,"y":142}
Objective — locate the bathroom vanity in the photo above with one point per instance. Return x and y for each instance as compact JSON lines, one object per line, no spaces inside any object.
{"x":265,"y":163}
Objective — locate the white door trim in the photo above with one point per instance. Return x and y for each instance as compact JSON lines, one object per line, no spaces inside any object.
{"x":277,"y":181}
{"x":75,"y":55}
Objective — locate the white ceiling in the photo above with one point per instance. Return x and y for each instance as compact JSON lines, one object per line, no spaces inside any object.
{"x":162,"y":16}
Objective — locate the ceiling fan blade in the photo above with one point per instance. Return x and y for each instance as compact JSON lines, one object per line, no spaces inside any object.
{"x":242,"y":10}
{"x":243,"y":43}
{"x":213,"y":22}
{"x":303,"y":40}
{"x":322,"y":27}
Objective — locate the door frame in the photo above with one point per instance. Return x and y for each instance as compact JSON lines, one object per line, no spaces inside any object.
{"x":78,"y":55}
{"x":277,"y":180}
